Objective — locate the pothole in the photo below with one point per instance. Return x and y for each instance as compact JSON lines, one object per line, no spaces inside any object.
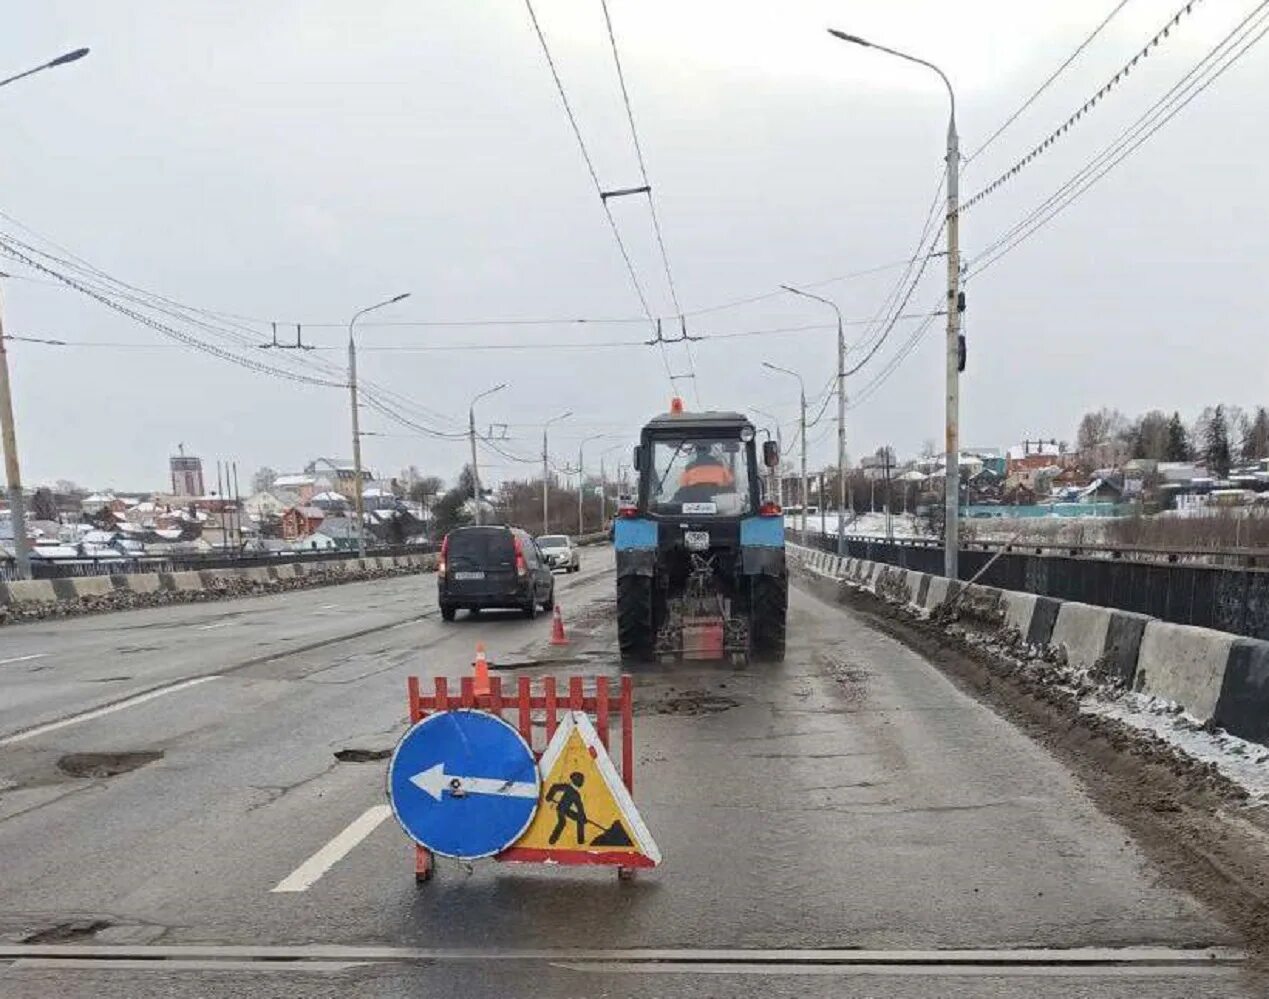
{"x":693,"y":702}
{"x":75,"y":929}
{"x":105,"y":764}
{"x":361,"y":755}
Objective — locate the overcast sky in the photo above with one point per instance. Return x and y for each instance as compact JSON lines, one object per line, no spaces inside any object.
{"x":296,"y":160}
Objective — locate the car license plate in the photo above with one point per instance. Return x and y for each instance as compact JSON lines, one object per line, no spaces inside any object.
{"x":469,"y":575}
{"x":696,"y":541}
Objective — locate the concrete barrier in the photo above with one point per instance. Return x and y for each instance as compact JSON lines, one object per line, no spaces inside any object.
{"x":283,"y":571}
{"x":1184,"y":664}
{"x":937,"y":592}
{"x":182,"y":582}
{"x":1080,"y":632}
{"x":93,"y":586}
{"x":1243,"y":707}
{"x":28,"y":591}
{"x":140,"y":582}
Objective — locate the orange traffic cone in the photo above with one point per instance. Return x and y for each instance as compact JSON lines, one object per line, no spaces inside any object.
{"x":557,"y":629}
{"x":481,"y":665}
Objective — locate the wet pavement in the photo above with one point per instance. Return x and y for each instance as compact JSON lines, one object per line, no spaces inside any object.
{"x":849,"y":797}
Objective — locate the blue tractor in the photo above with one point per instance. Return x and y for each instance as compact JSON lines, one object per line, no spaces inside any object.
{"x":700,"y":557}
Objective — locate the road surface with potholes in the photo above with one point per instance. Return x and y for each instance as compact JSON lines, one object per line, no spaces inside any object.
{"x":845,"y":823}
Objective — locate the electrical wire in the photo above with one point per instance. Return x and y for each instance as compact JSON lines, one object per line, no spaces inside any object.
{"x":188,"y":339}
{"x":1131,"y":138}
{"x":1088,"y":105}
{"x":594,"y":176}
{"x":647,"y":184}
{"x":1045,"y":85}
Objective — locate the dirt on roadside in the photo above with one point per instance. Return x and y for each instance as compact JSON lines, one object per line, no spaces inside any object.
{"x":1191,"y":821}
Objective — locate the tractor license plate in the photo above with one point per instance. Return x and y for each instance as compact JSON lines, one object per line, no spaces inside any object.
{"x":469,"y":575}
{"x":696,"y":541}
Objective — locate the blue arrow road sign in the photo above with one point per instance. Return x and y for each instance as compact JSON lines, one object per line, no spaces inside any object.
{"x":463,"y":784}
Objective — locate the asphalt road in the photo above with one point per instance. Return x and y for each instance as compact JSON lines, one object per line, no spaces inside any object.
{"x":850,"y":798}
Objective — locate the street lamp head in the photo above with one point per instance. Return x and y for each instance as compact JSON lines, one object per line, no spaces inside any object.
{"x":849,"y":38}
{"x":62,"y":60}
{"x":401,"y":297}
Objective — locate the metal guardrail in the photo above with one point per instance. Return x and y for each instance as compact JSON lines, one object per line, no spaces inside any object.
{"x":1191,"y":586}
{"x":1246,"y":558}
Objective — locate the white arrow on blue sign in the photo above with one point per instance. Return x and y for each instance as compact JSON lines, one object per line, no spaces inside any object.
{"x":463,"y":783}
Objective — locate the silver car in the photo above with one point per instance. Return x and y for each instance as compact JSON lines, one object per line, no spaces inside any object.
{"x":560,"y":552}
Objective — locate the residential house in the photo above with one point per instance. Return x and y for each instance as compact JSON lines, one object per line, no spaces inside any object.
{"x":334,"y":532}
{"x":341,"y":473}
{"x":270,"y":503}
{"x":302,"y":484}
{"x":1030,"y":456}
{"x":301,"y":521}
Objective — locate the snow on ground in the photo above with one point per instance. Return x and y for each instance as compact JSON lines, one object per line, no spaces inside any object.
{"x":1245,"y":763}
{"x":903,"y":525}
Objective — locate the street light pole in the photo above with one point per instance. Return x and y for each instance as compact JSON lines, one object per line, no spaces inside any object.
{"x":951,"y":531}
{"x":802,"y":432}
{"x":12,"y":470}
{"x":359,"y":501}
{"x":546,"y":472}
{"x":471,"y":429}
{"x":841,"y":416}
{"x":8,"y":428}
{"x":61,"y":60}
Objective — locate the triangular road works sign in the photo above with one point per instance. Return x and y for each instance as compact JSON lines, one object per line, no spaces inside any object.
{"x":585,"y":814}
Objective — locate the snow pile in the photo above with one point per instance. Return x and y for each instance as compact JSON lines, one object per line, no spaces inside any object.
{"x":1245,"y":763}
{"x":903,"y":525}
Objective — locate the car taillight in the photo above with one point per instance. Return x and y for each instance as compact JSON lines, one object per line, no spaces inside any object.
{"x":521,"y":566}
{"x":627,"y":511}
{"x":440,"y":564}
{"x":769,"y":510}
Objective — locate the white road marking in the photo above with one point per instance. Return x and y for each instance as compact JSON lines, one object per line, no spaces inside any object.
{"x":23,"y":659}
{"x":306,"y":875}
{"x":213,"y":627}
{"x":128,"y":702}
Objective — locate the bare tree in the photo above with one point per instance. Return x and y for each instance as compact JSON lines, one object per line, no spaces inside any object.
{"x":263,"y":479}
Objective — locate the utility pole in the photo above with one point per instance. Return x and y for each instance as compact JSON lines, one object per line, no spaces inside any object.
{"x":951,"y":550}
{"x":823,"y":508}
{"x":951,"y":499}
{"x":841,"y":417}
{"x":359,"y":501}
{"x":581,"y":482}
{"x":475,"y":466}
{"x":802,"y":433}
{"x":12,"y":470}
{"x":546,"y":472}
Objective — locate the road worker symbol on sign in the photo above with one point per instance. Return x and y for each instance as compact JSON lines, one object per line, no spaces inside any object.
{"x":585,"y":814}
{"x":568,"y":806}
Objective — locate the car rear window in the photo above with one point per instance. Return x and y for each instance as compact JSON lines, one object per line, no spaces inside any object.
{"x":482,"y":546}
{"x":553,"y":541}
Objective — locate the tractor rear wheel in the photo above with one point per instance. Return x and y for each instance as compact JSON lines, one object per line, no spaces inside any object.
{"x":635,"y":630}
{"x":768,"y":608}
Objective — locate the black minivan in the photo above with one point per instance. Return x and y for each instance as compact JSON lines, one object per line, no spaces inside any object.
{"x":484,"y":567}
